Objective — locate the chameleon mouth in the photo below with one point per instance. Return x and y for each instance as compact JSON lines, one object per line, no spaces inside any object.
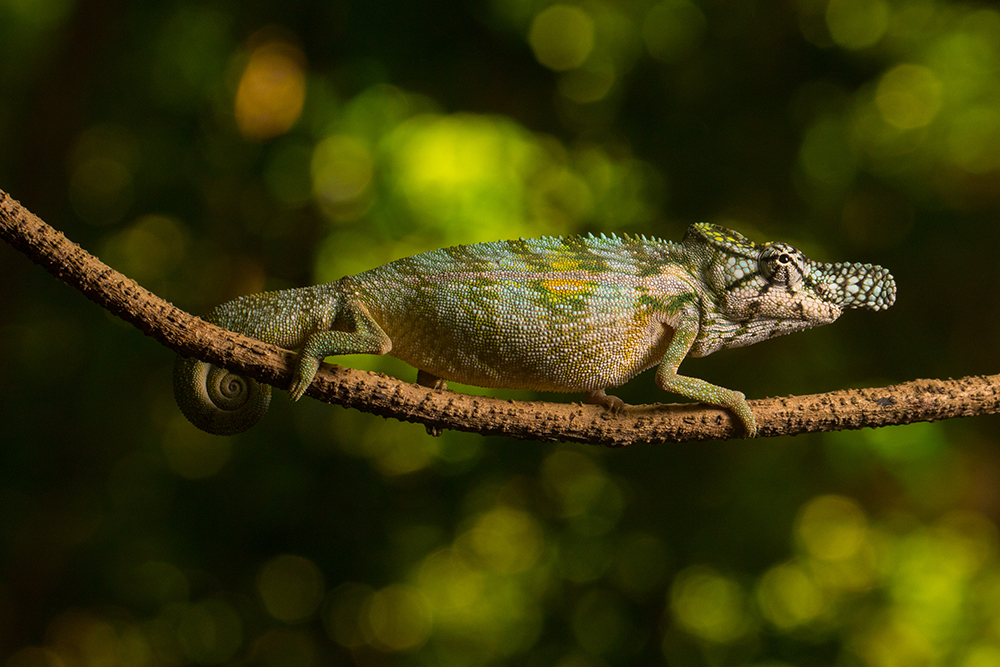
{"x":854,"y":285}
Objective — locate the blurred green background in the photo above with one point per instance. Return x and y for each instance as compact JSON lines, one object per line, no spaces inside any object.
{"x":212,"y":149}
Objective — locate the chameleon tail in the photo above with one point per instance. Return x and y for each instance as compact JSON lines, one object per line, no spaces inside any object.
{"x":216,"y":400}
{"x":224,"y":403}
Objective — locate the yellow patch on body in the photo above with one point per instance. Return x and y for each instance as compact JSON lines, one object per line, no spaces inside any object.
{"x":565,"y":262}
{"x":566,"y":286}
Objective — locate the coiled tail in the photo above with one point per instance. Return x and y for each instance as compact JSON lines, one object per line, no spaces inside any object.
{"x":216,"y":400}
{"x":224,"y":403}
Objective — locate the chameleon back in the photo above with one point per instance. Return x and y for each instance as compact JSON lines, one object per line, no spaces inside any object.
{"x":555,"y":314}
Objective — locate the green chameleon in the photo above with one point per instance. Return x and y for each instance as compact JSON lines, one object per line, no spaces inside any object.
{"x":570,"y":314}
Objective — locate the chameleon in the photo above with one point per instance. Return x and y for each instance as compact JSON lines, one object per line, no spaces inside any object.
{"x":562,"y":314}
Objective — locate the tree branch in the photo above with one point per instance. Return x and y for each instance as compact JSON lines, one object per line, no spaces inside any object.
{"x":919,"y":400}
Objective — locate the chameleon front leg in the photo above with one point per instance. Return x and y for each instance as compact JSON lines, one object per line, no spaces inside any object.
{"x":668,"y":379}
{"x":364,"y":336}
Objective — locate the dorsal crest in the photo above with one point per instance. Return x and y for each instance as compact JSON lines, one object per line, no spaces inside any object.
{"x":724,"y":239}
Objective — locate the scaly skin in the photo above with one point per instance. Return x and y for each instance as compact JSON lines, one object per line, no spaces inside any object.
{"x":573,"y":314}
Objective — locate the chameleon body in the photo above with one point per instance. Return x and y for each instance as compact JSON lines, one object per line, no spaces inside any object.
{"x":566,"y":314}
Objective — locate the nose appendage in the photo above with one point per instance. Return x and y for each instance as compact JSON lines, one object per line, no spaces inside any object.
{"x":854,"y":285}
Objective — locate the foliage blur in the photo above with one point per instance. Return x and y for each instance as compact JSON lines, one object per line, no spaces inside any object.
{"x":211,"y":149}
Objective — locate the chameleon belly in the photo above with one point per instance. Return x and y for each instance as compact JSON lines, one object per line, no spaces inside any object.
{"x":549,"y":333}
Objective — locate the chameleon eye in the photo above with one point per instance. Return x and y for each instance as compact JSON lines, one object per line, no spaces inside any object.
{"x":781,"y":265}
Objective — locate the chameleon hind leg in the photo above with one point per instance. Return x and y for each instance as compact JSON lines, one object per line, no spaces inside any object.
{"x":362,"y":335}
{"x":668,"y":379}
{"x":612,"y":404}
{"x":431,"y":381}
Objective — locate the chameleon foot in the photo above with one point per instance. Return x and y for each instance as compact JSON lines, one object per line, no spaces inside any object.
{"x":612,"y":404}
{"x":431,"y":381}
{"x":305,"y":372}
{"x":745,"y":415}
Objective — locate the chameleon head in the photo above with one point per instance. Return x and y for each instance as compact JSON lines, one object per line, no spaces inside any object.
{"x":769,"y":289}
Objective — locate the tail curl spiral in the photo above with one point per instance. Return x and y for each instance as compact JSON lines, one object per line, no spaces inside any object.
{"x":216,"y":400}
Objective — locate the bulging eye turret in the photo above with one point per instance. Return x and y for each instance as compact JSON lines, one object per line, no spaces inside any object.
{"x":782,"y":264}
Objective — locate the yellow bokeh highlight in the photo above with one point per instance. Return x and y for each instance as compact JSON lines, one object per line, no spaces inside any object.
{"x":967,"y":58}
{"x":453,"y":171}
{"x":929,"y":590}
{"x":78,"y":637}
{"x":192,"y":453}
{"x":857,"y":573}
{"x":394,"y":448}
{"x":937,"y":567}
{"x":489,"y":613}
{"x":891,"y":641}
{"x":857,"y":24}
{"x":970,"y":540}
{"x":908,"y":96}
{"x":394,"y":619}
{"x":789,"y":597}
{"x":342,"y":168}
{"x":291,"y":587}
{"x":832,"y":528}
{"x":393,"y":158}
{"x":149,"y":248}
{"x":672,"y":29}
{"x":506,"y":540}
{"x":709,"y":605}
{"x":981,"y":655}
{"x":271,"y":91}
{"x":441,"y":153}
{"x":451,"y":583}
{"x":925,"y":441}
{"x":398,"y":618}
{"x":926,"y":587}
{"x":562,"y":37}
